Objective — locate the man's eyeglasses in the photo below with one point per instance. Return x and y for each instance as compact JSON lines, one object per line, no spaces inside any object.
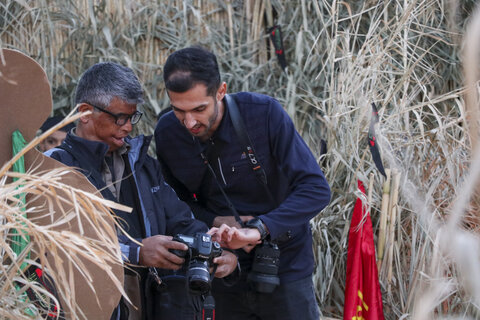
{"x":121,"y":118}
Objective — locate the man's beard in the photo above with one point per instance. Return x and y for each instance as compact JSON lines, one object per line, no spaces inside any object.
{"x":211,"y":122}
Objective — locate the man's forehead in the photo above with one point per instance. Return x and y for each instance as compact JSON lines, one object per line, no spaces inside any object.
{"x":117,"y":103}
{"x":193,"y":98}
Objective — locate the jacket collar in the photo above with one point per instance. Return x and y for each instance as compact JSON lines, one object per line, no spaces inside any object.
{"x":95,"y":151}
{"x":138,"y":148}
{"x":224,"y":130}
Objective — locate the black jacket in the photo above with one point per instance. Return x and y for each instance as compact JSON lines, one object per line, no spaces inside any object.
{"x":162,"y":212}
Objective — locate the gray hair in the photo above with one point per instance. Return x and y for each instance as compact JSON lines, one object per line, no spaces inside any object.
{"x":106,"y":80}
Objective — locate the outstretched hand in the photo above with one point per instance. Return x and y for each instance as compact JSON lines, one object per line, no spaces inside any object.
{"x":234,"y":238}
{"x":154,"y":252}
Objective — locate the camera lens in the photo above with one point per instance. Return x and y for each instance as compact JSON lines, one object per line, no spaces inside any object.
{"x":198,"y":277}
{"x":263,"y":276}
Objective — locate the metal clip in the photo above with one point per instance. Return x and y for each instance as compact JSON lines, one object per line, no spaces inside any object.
{"x":155,"y":276}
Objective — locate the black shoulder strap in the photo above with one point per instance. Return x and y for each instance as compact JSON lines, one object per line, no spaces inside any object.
{"x":212,"y":172}
{"x":242,"y":134}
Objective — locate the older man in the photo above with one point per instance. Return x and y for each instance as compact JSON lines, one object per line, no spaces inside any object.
{"x":120,"y":168}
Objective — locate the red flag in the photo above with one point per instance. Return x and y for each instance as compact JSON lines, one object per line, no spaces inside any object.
{"x":363,"y":299}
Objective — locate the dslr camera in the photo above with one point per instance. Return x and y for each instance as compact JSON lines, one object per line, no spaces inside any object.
{"x":198,"y":259}
{"x":263,"y":276}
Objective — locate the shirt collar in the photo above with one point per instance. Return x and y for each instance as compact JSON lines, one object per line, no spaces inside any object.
{"x":224,"y":132}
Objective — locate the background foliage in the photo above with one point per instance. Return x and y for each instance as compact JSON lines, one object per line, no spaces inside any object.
{"x":403,"y":55}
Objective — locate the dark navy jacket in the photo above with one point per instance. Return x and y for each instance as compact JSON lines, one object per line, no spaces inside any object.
{"x":163,"y":213}
{"x":294,"y":177}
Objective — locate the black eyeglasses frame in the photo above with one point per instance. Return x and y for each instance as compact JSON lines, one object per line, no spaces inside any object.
{"x":122,"y":118}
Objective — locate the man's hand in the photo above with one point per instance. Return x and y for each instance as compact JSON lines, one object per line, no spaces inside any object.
{"x":233,"y":238}
{"x":154,"y":252}
{"x":230,"y":221}
{"x":227,"y":263}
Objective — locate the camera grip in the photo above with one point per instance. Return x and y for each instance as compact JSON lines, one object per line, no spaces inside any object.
{"x":177,"y":252}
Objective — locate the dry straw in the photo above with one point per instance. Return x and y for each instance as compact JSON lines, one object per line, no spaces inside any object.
{"x":342,"y":56}
{"x":69,"y":251}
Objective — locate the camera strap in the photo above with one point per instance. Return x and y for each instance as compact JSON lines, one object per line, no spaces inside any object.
{"x":208,"y":310}
{"x":247,"y":145}
{"x":241,"y":132}
{"x":229,"y":203}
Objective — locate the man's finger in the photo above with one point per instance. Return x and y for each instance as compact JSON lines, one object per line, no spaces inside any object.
{"x":223,"y":229}
{"x":212,"y":231}
{"x":176,"y":245}
{"x":233,"y":231}
{"x":173,"y":258}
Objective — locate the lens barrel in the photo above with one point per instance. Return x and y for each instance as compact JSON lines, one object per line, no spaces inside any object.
{"x":263,"y":276}
{"x":198,"y":277}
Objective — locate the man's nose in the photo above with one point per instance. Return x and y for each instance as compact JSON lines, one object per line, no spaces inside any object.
{"x":189,"y":121}
{"x":128,"y":125}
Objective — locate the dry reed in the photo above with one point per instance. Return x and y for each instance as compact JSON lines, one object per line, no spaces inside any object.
{"x":342,"y":56}
{"x":67,"y":250}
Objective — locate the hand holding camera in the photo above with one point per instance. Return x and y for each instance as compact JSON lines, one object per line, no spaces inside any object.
{"x":199,"y":256}
{"x":155,"y":252}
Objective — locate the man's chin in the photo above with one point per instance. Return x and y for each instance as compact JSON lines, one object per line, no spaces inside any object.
{"x":200,"y":134}
{"x":116,"y":144}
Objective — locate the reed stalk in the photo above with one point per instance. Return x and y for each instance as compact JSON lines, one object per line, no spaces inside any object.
{"x":393,"y":211}
{"x":403,"y":55}
{"x":383,"y":219}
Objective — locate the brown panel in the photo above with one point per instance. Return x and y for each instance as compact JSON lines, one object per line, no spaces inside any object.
{"x":25,"y":104}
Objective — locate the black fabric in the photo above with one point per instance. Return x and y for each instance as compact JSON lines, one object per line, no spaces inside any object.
{"x":132,"y":222}
{"x":169,"y":301}
{"x":122,"y":309}
{"x":247,"y":144}
{"x":158,"y":205}
{"x":91,"y":169}
{"x":212,"y":153}
{"x":292,"y":300}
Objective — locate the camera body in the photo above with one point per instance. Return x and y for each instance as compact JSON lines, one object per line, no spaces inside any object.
{"x":198,"y":258}
{"x":264,"y":274}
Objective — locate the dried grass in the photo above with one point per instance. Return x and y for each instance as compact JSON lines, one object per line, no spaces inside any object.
{"x":68,"y":251}
{"x":403,"y":55}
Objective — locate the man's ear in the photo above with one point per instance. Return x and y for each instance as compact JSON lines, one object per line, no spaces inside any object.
{"x":222,"y":91}
{"x":82,"y":107}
